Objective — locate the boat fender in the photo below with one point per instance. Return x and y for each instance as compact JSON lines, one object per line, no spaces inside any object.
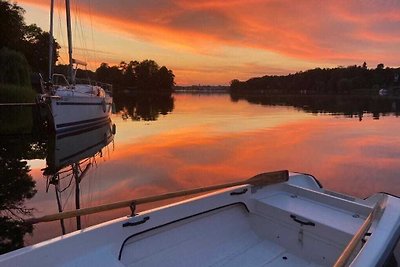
{"x":104,"y":105}
{"x":114,"y":129}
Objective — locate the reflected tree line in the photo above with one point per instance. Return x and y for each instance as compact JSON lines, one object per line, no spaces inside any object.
{"x":21,"y":139}
{"x":144,"y":106}
{"x":63,"y":160}
{"x":17,"y":186}
{"x":349,"y":106}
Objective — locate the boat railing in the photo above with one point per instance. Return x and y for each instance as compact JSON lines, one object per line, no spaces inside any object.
{"x":59,"y":80}
{"x":106,"y":86}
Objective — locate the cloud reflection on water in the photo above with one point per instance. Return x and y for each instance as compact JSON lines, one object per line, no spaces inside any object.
{"x":178,"y":152}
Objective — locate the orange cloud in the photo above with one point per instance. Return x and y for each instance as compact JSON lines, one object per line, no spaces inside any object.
{"x":335,"y":33}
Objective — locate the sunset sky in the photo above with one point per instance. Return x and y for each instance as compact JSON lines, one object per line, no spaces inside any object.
{"x":213,"y":42}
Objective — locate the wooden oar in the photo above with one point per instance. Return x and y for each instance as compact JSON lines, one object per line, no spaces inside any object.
{"x":258,"y":180}
{"x":359,"y":235}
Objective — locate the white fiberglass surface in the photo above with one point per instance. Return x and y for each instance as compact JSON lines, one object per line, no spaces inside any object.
{"x":219,"y":238}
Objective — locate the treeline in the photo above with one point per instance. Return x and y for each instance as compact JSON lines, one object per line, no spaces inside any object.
{"x":24,"y":49}
{"x":342,"y":80}
{"x":146,"y":75}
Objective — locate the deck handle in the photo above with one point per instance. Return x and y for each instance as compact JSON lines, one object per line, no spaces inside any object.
{"x":301,"y":222}
{"x":235,"y":193}
{"x":145,"y":219}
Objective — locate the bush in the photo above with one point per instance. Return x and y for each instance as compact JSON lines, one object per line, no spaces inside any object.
{"x":14,"y":69}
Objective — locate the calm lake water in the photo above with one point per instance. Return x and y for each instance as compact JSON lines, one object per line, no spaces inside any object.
{"x":201,"y":140}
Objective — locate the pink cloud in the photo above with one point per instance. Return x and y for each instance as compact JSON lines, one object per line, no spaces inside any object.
{"x":331,"y":33}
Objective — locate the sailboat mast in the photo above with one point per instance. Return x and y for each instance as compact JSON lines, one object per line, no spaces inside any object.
{"x":68,"y":14}
{"x":51,"y":40}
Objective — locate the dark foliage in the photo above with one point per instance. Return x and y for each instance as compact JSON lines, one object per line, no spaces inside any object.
{"x":16,"y":186}
{"x":11,"y":25}
{"x":137,"y":76}
{"x":346,"y":105}
{"x":29,"y":40}
{"x":14,"y":68}
{"x":353,"y":79}
{"x":144,"y":76}
{"x":145,"y":106}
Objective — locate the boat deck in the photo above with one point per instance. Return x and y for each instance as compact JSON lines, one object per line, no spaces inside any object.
{"x":210,"y":241}
{"x":282,"y":228}
{"x":289,"y":224}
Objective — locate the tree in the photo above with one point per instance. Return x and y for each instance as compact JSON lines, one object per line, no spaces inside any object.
{"x":142,"y":76}
{"x":380,"y":66}
{"x":235,"y":83}
{"x":36,"y":45}
{"x":30,"y":40}
{"x":145,"y":72}
{"x":165,"y":79}
{"x":364,"y":65}
{"x":108,"y":74}
{"x":11,"y":25}
{"x":14,"y":68}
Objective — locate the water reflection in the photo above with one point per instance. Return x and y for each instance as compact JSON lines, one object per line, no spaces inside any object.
{"x":208,"y":140}
{"x":69,"y":159}
{"x":16,"y":186}
{"x":18,"y":120}
{"x":145,"y":106}
{"x":348,"y":105}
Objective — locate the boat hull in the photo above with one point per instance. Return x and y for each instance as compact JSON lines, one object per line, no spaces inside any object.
{"x":73,"y":113}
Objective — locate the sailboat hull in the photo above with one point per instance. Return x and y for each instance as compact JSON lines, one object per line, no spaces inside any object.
{"x":72,"y":112}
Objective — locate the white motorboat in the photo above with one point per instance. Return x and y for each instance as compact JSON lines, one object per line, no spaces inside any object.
{"x":273,"y":219}
{"x":74,"y":105}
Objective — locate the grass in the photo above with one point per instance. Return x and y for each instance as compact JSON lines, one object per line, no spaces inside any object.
{"x":16,"y":94}
{"x":16,"y":119}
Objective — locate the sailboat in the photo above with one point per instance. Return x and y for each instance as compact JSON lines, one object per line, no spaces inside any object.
{"x":72,"y":105}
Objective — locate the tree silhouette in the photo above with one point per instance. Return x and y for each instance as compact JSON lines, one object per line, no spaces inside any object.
{"x":30,"y":40}
{"x":11,"y":25}
{"x":145,"y":106}
{"x":16,"y":186}
{"x":36,"y":49}
{"x":137,"y":76}
{"x":320,"y":81}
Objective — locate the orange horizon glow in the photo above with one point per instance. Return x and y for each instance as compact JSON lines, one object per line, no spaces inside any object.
{"x":213,"y":42}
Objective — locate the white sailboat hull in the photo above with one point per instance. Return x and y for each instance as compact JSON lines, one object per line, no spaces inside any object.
{"x":295,"y":223}
{"x":75,"y":111}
